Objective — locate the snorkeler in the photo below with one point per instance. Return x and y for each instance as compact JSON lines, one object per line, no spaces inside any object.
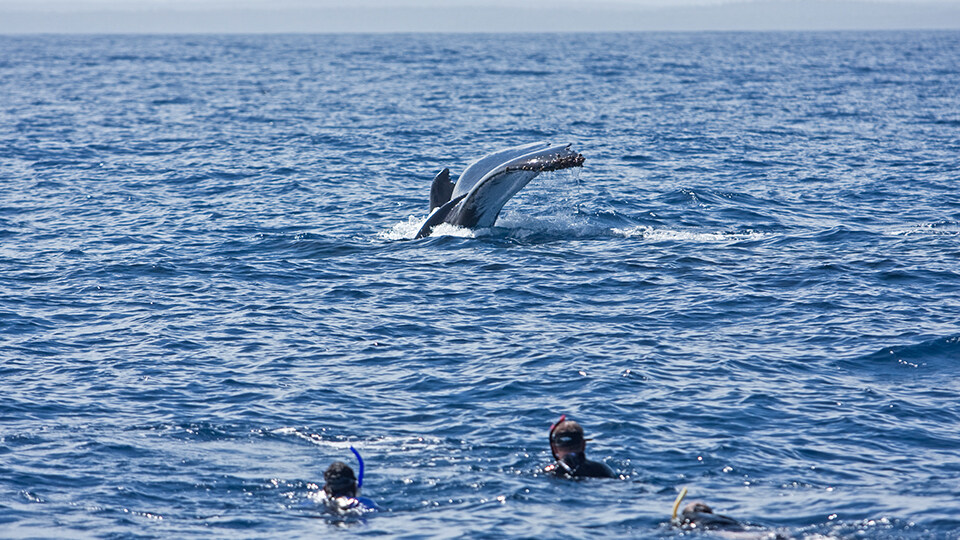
{"x":341,"y":491}
{"x":568,"y":447}
{"x":699,"y":516}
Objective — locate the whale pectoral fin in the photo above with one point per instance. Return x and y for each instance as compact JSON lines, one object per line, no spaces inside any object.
{"x":441,"y":189}
{"x":437,"y":217}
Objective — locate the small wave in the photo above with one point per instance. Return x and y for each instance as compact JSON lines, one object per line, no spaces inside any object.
{"x":659,"y":235}
{"x":920,"y":355}
{"x":178,"y":100}
{"x":313,"y":438}
{"x":378,"y":444}
{"x":521,"y":226}
{"x":940,"y":228}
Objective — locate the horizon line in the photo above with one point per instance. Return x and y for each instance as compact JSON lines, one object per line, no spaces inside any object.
{"x":479,"y":32}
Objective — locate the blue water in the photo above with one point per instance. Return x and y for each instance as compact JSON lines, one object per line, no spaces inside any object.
{"x":209,"y":289}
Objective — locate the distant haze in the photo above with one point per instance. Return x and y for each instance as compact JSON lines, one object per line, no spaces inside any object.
{"x":321,"y":16}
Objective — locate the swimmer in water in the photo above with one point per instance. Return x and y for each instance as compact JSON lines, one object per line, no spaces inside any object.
{"x":341,"y":490}
{"x":569,"y":446}
{"x":699,"y":516}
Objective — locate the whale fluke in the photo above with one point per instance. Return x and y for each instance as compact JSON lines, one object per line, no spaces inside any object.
{"x":477,"y":197}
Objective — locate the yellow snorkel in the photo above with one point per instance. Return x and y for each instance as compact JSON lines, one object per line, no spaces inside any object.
{"x":676,"y":505}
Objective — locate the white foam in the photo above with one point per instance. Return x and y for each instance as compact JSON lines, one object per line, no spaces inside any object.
{"x":446,"y":229}
{"x":378,"y":444}
{"x":659,"y":235}
{"x":407,"y":230}
{"x":932,"y":229}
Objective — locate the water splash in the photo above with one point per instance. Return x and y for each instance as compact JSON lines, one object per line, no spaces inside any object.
{"x":660,"y":235}
{"x":407,"y":230}
{"x":404,"y":230}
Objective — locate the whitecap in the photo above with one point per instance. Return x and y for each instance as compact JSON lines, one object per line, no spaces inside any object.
{"x":660,"y":235}
{"x":378,"y":444}
{"x":940,"y":228}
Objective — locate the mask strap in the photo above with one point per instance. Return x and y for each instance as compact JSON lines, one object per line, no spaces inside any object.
{"x":552,"y":429}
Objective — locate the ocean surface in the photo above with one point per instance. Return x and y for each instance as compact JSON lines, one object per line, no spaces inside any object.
{"x":209,"y":287}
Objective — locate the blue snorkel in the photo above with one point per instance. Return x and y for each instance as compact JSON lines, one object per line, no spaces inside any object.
{"x":360,"y":473}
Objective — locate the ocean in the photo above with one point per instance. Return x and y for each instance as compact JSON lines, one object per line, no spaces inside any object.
{"x":210,"y":288}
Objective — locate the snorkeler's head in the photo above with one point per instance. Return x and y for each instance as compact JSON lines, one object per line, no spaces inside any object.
{"x":697,"y":507}
{"x":701,"y":515}
{"x":340,"y":480}
{"x":567,"y":436}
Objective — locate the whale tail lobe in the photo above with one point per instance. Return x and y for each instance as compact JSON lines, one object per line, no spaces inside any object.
{"x":441,"y":189}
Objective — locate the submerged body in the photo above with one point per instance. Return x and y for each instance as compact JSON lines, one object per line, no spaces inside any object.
{"x":477,"y":197}
{"x":578,"y":466}
{"x":698,"y":515}
{"x":347,"y":505}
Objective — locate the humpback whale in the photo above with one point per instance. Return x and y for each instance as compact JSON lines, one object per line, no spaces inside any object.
{"x":477,"y":197}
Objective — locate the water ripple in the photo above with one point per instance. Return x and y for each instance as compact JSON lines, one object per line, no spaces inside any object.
{"x":211,"y":288}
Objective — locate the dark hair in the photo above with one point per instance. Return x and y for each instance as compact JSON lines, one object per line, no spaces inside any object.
{"x":697,"y":507}
{"x":340,"y":480}
{"x":568,"y":434}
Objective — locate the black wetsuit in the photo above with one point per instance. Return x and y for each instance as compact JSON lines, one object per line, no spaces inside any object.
{"x":702,"y":517}
{"x":710,"y":521}
{"x":578,"y":466}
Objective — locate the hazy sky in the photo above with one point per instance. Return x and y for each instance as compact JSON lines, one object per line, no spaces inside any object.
{"x":215,"y":16}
